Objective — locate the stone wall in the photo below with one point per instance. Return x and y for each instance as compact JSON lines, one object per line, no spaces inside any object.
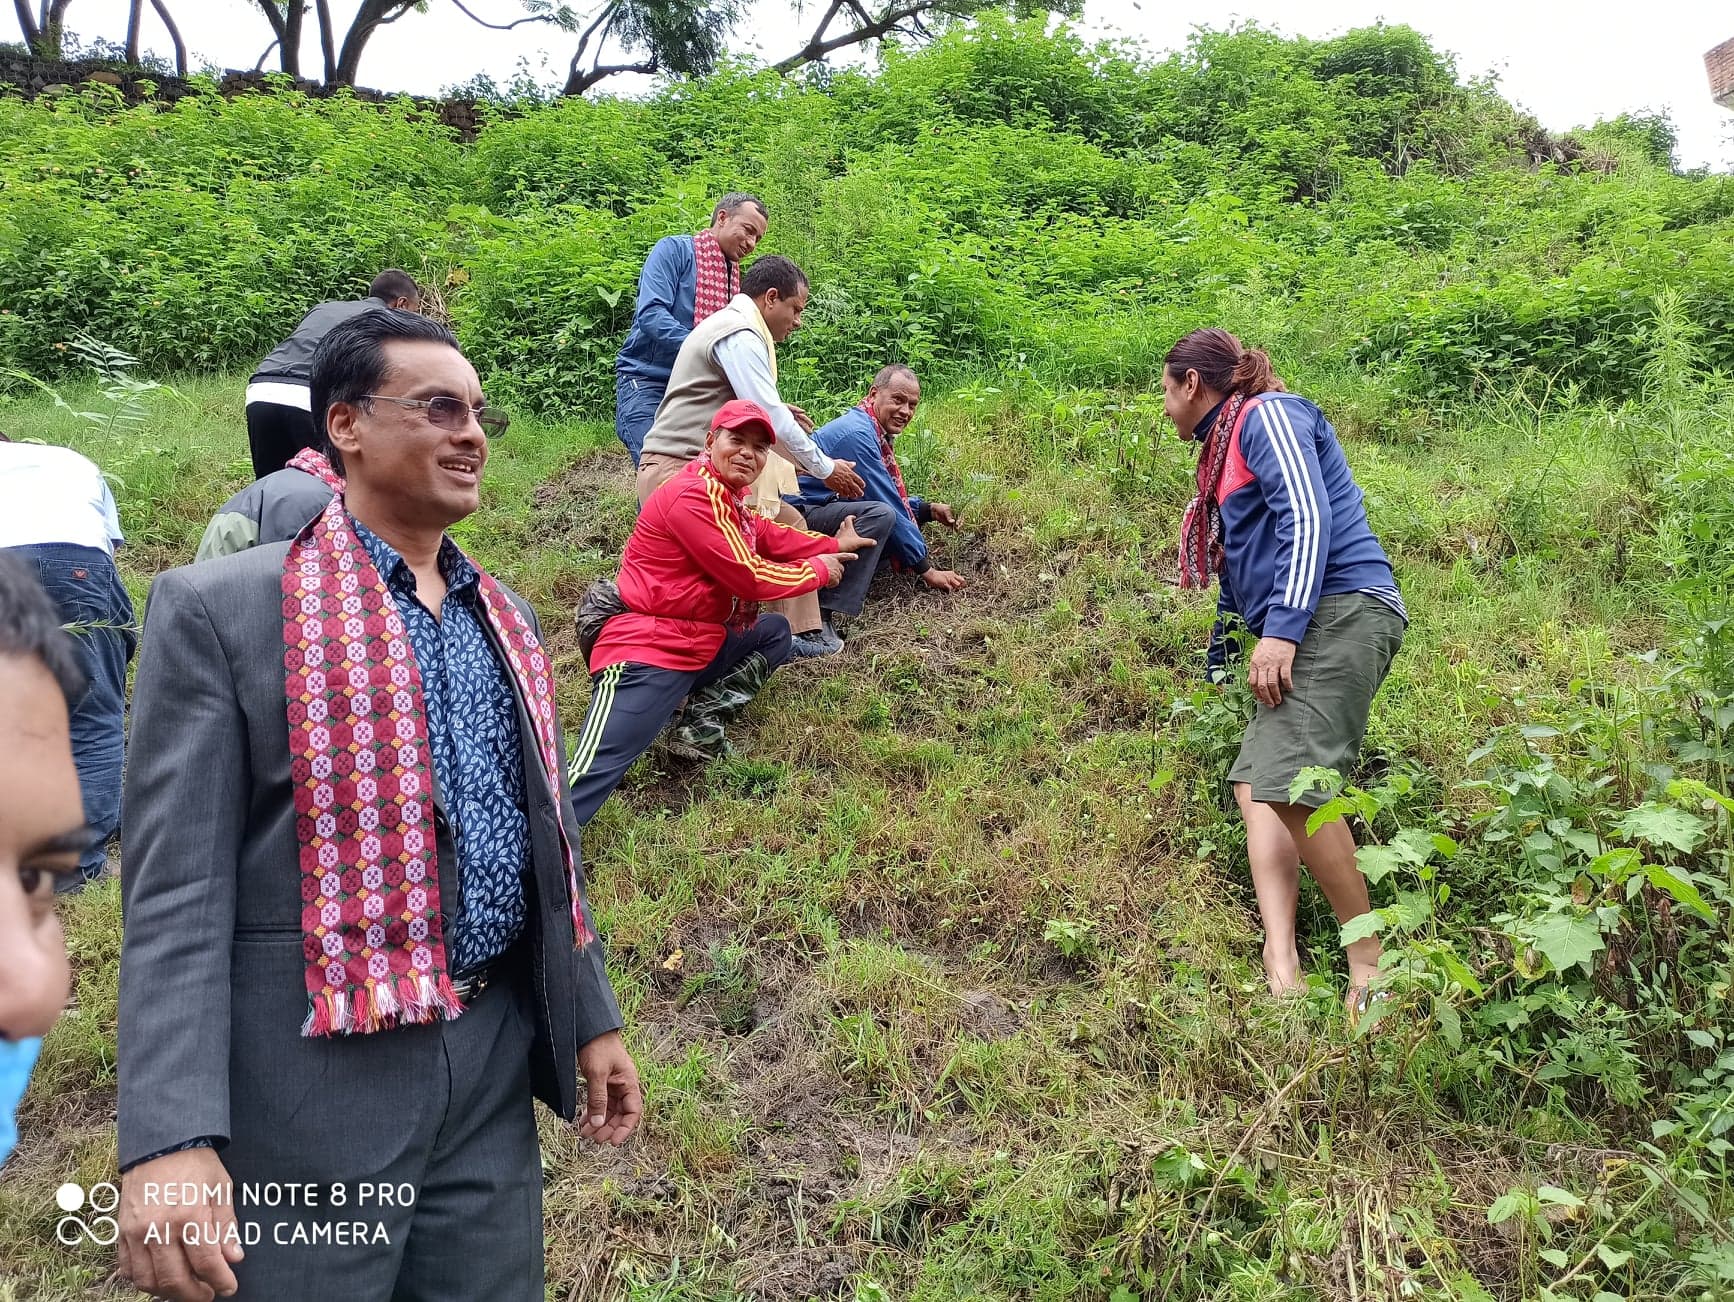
{"x":1720,"y":65}
{"x":20,"y":75}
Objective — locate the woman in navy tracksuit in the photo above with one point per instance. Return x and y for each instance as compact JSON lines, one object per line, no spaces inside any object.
{"x":1280,"y":522}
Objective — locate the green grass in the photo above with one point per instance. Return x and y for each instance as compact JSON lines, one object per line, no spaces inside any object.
{"x":949,"y":988}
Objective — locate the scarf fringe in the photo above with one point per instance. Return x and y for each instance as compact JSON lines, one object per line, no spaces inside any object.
{"x":400,"y":1001}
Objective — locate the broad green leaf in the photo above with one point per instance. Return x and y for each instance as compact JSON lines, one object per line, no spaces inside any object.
{"x":1368,"y":924}
{"x":1682,"y":891}
{"x":1506,"y":1206}
{"x":1450,"y":1024}
{"x":1377,"y":862}
{"x":1612,"y":1258}
{"x":1552,"y":1193}
{"x":1554,"y":1257}
{"x":1663,"y":825}
{"x":1566,"y":940}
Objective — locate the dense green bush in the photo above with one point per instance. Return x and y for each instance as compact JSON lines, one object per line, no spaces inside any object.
{"x":1004,"y":194}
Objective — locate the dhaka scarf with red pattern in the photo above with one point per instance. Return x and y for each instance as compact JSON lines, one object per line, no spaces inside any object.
{"x":718,"y":280}
{"x":361,"y":767}
{"x":1201,"y":553}
{"x":890,"y":459}
{"x":311,"y":461}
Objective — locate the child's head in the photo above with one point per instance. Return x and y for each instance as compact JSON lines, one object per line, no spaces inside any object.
{"x":42,"y":829}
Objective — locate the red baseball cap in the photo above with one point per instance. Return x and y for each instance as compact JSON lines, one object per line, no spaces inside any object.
{"x":739,"y":413}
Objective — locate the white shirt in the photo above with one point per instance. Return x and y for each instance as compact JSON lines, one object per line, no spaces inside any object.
{"x":54,"y":495}
{"x":744,"y":360}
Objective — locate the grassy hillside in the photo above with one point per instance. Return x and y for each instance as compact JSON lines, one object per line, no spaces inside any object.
{"x":949,"y":987}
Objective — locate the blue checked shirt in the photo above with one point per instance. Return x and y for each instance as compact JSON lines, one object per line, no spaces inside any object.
{"x":478,"y":760}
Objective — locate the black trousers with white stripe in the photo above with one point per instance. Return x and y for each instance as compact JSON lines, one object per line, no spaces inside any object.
{"x":633,"y":702}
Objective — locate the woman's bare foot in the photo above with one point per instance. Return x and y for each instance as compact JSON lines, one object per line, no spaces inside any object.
{"x":1282,"y":971}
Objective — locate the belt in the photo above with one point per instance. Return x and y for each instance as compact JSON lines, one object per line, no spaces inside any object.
{"x":476,"y":980}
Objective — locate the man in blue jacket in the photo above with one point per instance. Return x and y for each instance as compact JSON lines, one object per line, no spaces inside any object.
{"x":685,"y":279}
{"x":865,"y":435}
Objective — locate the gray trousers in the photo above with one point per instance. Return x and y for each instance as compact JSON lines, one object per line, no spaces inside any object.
{"x":442,"y":1113}
{"x":873,"y":520}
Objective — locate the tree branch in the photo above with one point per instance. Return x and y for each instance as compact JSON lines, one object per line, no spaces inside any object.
{"x":260,"y":66}
{"x":174,"y":35}
{"x":578,"y":84}
{"x":817,"y":47}
{"x":501,"y":27}
{"x":271,"y":16}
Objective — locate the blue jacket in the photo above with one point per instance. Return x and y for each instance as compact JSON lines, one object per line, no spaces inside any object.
{"x":1294,"y":525}
{"x":852,"y":436}
{"x":667,"y":290}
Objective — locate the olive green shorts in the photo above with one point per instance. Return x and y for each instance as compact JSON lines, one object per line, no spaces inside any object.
{"x":1338,"y":667}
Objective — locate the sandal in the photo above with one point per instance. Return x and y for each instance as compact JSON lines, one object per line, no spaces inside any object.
{"x":1358,"y":1001}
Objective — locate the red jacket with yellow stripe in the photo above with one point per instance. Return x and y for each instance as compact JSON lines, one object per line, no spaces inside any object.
{"x":695,"y":552}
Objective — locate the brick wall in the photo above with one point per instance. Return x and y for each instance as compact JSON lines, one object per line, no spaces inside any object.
{"x":34,"y":77}
{"x":1720,"y":65}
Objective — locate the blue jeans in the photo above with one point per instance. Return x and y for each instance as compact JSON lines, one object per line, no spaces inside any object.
{"x":636,"y":399}
{"x":93,"y":602}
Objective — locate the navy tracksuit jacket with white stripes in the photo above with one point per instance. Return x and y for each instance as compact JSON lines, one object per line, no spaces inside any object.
{"x":1294,"y":526}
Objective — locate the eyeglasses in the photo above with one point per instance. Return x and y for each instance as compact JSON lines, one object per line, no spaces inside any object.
{"x":449,"y":413}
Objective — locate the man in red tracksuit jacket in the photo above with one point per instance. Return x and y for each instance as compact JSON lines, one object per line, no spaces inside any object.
{"x":694,"y":571}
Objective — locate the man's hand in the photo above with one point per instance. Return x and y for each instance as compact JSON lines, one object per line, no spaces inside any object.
{"x":850,"y":541}
{"x":834,"y":566}
{"x":801,"y":418}
{"x":615,"y":1103}
{"x":168,"y":1267}
{"x":943,"y":580}
{"x":844,"y":482}
{"x":943,"y":514}
{"x":1270,"y":672}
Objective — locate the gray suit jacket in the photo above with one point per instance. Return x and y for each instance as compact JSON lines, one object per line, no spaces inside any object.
{"x":211,"y":977}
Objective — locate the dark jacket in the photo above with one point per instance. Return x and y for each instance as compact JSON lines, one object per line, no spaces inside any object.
{"x":273,"y":509}
{"x":291,"y":362}
{"x":212,"y":992}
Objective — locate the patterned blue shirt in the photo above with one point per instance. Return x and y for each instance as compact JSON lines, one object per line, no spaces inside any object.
{"x":472,"y":727}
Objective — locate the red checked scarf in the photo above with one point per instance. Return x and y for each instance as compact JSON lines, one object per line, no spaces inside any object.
{"x":890,"y":459}
{"x":1201,"y":554}
{"x":311,"y":461}
{"x":745,"y":613}
{"x":718,"y":279}
{"x":360,"y":762}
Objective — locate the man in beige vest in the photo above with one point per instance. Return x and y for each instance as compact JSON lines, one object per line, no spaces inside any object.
{"x":733,"y":354}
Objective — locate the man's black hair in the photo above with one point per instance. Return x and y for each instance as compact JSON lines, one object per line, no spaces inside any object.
{"x":394,"y":284}
{"x":773,"y":271}
{"x":351,"y":361}
{"x":30,"y":626}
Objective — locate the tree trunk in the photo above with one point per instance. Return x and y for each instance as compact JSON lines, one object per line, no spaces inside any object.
{"x":289,"y":52}
{"x":326,"y":46}
{"x":174,"y":35}
{"x":134,"y":20}
{"x":368,"y":18}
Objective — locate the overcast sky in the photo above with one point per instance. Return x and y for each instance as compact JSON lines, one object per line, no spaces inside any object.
{"x":1569,"y":63}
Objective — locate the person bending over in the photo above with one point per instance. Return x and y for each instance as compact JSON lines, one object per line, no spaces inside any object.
{"x":696,"y":567}
{"x":280,"y":420}
{"x":1279,"y":520}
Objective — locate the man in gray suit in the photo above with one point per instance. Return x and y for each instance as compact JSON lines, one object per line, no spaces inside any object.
{"x":303,"y":1112}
